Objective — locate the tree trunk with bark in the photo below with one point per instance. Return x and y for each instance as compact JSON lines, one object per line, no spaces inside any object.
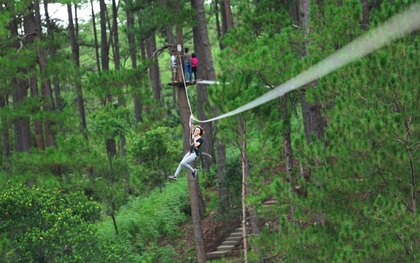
{"x":313,"y":121}
{"x":246,"y":181}
{"x":223,"y":189}
{"x":48,"y":105}
{"x":20,"y":93}
{"x":95,"y":35}
{"x":5,"y":132}
{"x":205,"y":71}
{"x":76,"y":60}
{"x":365,"y":14}
{"x":287,"y":143}
{"x":154,"y":71}
{"x":133,"y":57}
{"x":110,"y":144}
{"x":38,"y":128}
{"x":227,"y":17}
{"x":193,"y":185}
{"x":53,"y":52}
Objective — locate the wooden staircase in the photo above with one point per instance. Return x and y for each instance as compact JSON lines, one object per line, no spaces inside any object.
{"x":228,"y":245}
{"x":234,"y":239}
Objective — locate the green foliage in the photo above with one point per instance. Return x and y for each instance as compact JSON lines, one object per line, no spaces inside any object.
{"x":156,"y":153}
{"x":145,"y":220}
{"x":113,"y":82}
{"x":110,"y":122}
{"x":43,"y":224}
{"x":360,"y":204}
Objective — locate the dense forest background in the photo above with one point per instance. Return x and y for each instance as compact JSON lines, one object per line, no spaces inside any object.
{"x":92,"y":126}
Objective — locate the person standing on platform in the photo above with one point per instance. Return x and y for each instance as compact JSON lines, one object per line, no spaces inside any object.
{"x":173,"y":65}
{"x":194,"y":64}
{"x":187,"y":66}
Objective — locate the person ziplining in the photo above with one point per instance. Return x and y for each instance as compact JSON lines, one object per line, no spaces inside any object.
{"x":193,"y":153}
{"x":394,"y":28}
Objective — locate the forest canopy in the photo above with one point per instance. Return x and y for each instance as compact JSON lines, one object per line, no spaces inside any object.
{"x":96,"y":115}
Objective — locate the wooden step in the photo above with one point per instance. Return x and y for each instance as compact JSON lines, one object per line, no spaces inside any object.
{"x":230,"y":242}
{"x":227,"y":245}
{"x":216,"y":254}
{"x":227,"y":248}
{"x":236,"y":234}
{"x":234,"y":238}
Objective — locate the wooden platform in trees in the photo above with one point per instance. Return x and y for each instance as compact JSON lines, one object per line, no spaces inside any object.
{"x":177,"y":84}
{"x":198,"y":81}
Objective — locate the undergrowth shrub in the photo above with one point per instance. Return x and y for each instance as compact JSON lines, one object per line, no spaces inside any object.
{"x":49,"y":225}
{"x":145,"y":220}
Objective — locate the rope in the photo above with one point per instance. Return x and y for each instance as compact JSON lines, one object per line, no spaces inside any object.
{"x":185,"y":86}
{"x":394,"y":28}
{"x":188,"y":100}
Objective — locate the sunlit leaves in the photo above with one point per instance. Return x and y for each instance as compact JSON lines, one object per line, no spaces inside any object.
{"x":47,"y":222}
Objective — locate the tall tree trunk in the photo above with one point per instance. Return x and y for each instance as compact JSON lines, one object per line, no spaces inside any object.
{"x":193,"y":186}
{"x":109,"y":142}
{"x":117,"y":59}
{"x":365,"y":14}
{"x":202,"y":48}
{"x":168,"y":29}
{"x":95,"y":35}
{"x":48,"y":104}
{"x":245,"y":174}
{"x":133,"y":57}
{"x":104,"y":40}
{"x":171,"y":41}
{"x":38,"y":128}
{"x":21,"y":124}
{"x":218,"y":27}
{"x":197,"y":204}
{"x":53,"y":51}
{"x":288,"y":148}
{"x":154,"y":68}
{"x":115,"y":36}
{"x":311,"y":112}
{"x":4,"y":98}
{"x":76,"y":60}
{"x":246,"y":181}
{"x":227,"y":17}
{"x":5,"y":130}
{"x":33,"y":85}
{"x":20,"y":93}
{"x":223,"y":188}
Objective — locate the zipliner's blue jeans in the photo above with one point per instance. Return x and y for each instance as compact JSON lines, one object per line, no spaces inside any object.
{"x":188,"y":158}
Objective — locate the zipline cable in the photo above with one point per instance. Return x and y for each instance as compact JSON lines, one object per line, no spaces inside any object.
{"x":185,"y":86}
{"x":396,"y":27}
{"x":186,"y":94}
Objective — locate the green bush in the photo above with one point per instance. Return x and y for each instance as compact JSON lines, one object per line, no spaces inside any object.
{"x":48,"y":225}
{"x":145,"y":220}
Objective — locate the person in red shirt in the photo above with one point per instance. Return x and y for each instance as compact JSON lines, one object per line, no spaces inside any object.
{"x":194,"y":64}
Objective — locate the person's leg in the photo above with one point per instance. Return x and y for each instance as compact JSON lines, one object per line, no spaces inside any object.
{"x":190,"y":158}
{"x":186,"y":72}
{"x":178,"y":170}
{"x":194,"y":70}
{"x":189,"y":78}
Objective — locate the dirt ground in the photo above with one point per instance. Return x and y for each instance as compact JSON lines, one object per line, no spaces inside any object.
{"x":214,"y":233}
